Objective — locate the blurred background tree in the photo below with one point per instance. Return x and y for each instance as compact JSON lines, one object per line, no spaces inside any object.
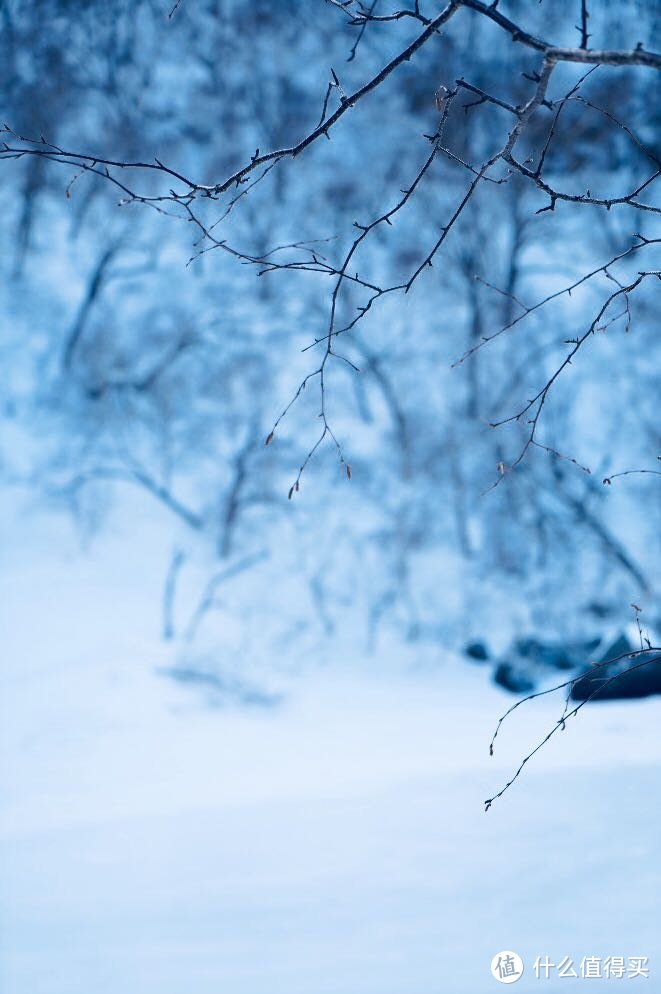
{"x":153,"y":344}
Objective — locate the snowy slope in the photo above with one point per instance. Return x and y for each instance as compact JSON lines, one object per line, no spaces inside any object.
{"x":333,"y":844}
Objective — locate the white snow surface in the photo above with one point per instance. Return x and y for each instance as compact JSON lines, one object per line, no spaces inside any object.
{"x":333,"y":844}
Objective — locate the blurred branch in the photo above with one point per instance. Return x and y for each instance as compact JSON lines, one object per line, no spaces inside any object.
{"x":207,"y":600}
{"x":176,"y":562}
{"x":141,"y":479}
{"x":96,"y":282}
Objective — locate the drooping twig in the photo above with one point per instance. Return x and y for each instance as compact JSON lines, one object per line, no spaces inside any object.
{"x":567,"y":713}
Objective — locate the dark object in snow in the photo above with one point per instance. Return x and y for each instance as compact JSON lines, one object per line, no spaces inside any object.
{"x":514,"y":679}
{"x":554,"y":654}
{"x":529,"y":658}
{"x":599,"y":610}
{"x":644,"y":681}
{"x":477,"y":651}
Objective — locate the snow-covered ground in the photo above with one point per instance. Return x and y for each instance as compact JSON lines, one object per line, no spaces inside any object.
{"x":333,"y":844}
